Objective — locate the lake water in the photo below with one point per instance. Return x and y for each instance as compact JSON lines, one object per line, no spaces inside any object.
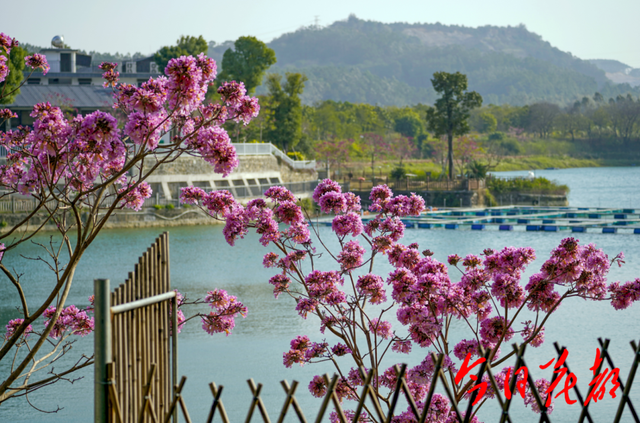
{"x":201,"y":261}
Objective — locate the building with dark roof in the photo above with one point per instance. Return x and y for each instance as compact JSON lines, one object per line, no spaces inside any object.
{"x":74,"y":84}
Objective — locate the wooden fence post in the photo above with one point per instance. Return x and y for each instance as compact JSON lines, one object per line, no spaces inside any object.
{"x":102,"y":349}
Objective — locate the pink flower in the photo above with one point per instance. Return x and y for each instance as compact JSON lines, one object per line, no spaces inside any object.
{"x":529,"y":330}
{"x":324,"y":187}
{"x":402,"y":347}
{"x":7,"y":43}
{"x":219,"y":202}
{"x":380,"y":328}
{"x":280,"y":284}
{"x":493,"y":329}
{"x":111,"y":75}
{"x":305,"y":306}
{"x":340,"y":350}
{"x":333,"y":202}
{"x":278,"y":193}
{"x":288,"y":212}
{"x":372,"y":287}
{"x":464,"y":347}
{"x":621,"y":295}
{"x":345,"y":224}
{"x":37,"y":61}
{"x":7,"y":114}
{"x":351,"y":256}
{"x":71,"y":319}
{"x":317,"y":387}
{"x":191,"y":195}
{"x":269,"y":260}
{"x":13,"y":325}
{"x":134,"y":198}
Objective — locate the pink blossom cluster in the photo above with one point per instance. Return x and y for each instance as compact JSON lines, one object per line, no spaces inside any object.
{"x":225,"y":309}
{"x":13,"y":325}
{"x":71,"y":319}
{"x":256,"y":214}
{"x":7,"y":43}
{"x":423,"y":293}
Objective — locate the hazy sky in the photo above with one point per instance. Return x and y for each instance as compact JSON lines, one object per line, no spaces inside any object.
{"x":588,"y":29}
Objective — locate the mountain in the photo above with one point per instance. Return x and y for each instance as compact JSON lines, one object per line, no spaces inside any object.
{"x":392,"y":64}
{"x":618,"y":72}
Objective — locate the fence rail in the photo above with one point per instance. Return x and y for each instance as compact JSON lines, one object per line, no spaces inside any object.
{"x":462,"y":413}
{"x":428,"y":185}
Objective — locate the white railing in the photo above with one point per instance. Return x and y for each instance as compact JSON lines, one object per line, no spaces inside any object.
{"x":246,"y":149}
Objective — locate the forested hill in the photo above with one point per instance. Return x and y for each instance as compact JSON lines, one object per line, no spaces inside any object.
{"x":392,"y":64}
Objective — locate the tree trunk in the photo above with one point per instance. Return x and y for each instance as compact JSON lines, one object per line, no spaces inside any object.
{"x":450,"y":155}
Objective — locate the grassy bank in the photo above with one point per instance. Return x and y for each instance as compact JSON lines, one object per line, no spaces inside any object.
{"x":421,"y":167}
{"x":544,"y":162}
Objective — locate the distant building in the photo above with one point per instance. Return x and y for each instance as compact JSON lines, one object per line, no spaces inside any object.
{"x":74,"y":84}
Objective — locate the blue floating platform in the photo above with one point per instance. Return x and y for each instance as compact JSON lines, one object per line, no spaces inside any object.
{"x":578,"y":229}
{"x":524,"y":221}
{"x":496,"y":213}
{"x":481,"y":213}
{"x":505,"y":227}
{"x":636,"y":231}
{"x":620,"y":223}
{"x":550,"y":228}
{"x":512,"y":213}
{"x":477,"y":227}
{"x":533,"y":228}
{"x":609,"y":230}
{"x":425,"y":225}
{"x":548,"y":221}
{"x":628,"y":211}
{"x":583,"y":208}
{"x":451,"y":226}
{"x":409,"y":224}
{"x":619,"y":216}
{"x":458,"y":213}
{"x":572,"y":215}
{"x":594,"y":216}
{"x":498,"y":220}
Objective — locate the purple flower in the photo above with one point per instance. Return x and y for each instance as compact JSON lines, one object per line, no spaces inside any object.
{"x":278,"y":193}
{"x":351,"y":256}
{"x":372,"y":287}
{"x":280,"y":284}
{"x":333,"y":202}
{"x":37,"y":61}
{"x":340,"y":350}
{"x":317,"y":387}
{"x":13,"y":325}
{"x":529,"y":330}
{"x":380,"y":328}
{"x":493,"y":329}
{"x":219,"y":202}
{"x":325,"y":187}
{"x":345,"y":224}
{"x":305,"y":306}
{"x":191,"y":195}
{"x":288,"y":212}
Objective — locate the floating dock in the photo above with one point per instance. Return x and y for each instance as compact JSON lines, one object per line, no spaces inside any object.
{"x":530,"y":219}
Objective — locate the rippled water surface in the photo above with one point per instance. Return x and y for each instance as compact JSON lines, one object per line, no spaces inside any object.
{"x":201,"y":260}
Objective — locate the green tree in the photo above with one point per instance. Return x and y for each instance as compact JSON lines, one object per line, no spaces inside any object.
{"x":450,"y":114}
{"x":247,"y":62}
{"x":10,"y":86}
{"x":185,"y":46}
{"x":286,"y":108}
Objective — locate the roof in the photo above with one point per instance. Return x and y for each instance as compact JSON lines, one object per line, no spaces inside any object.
{"x":79,"y":96}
